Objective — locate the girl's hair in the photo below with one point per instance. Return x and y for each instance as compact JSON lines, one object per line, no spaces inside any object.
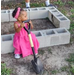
{"x":15,"y":11}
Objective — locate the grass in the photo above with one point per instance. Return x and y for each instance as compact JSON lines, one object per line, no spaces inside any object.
{"x":70,"y":3}
{"x":69,"y":69}
{"x":49,"y":51}
{"x":70,"y":60}
{"x":59,"y":3}
{"x":37,"y":4}
{"x":54,"y":71}
{"x":71,"y":17}
{"x":4,"y":70}
{"x":72,"y":10}
{"x":71,"y":28}
{"x":63,"y":11}
{"x":64,"y":68}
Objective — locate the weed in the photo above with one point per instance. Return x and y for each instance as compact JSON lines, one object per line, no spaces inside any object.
{"x":71,"y":3}
{"x":71,"y":58}
{"x":37,"y":4}
{"x":49,"y":51}
{"x":71,"y":62}
{"x":54,"y":71}
{"x":63,"y":11}
{"x":72,"y":68}
{"x":72,"y":11}
{"x":64,"y":68}
{"x":4,"y":70}
{"x":60,"y":3}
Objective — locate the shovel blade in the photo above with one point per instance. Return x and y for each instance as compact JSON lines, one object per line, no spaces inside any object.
{"x":37,"y":66}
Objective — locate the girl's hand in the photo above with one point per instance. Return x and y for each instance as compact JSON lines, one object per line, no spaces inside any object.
{"x":29,"y":22}
{"x":22,"y":25}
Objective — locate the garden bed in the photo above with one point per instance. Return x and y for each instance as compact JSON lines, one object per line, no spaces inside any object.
{"x":40,"y":24}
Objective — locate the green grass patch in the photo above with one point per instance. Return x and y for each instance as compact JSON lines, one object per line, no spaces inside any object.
{"x":63,"y":11}
{"x":4,"y":70}
{"x":59,"y":2}
{"x":69,"y":69}
{"x":70,"y":3}
{"x":64,"y":68}
{"x":54,"y":71}
{"x":72,"y":11}
{"x":37,"y":4}
{"x":72,"y":22}
{"x":70,"y":60}
{"x":71,"y":28}
{"x":72,"y":68}
{"x":49,"y":51}
{"x":33,"y":4}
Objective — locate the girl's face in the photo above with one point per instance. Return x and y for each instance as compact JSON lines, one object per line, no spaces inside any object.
{"x":23,"y":16}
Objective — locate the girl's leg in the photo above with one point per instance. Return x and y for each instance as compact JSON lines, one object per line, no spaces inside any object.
{"x":27,"y":3}
{"x":17,"y":53}
{"x":47,"y":2}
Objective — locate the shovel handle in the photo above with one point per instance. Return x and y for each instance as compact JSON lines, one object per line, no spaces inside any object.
{"x":28,"y":30}
{"x":30,"y":38}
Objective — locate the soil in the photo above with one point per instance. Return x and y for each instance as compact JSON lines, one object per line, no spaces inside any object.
{"x":39,"y":24}
{"x":52,"y":60}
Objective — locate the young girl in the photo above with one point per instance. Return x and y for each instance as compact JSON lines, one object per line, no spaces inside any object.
{"x":21,"y":41}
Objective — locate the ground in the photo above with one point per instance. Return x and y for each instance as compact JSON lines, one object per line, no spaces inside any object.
{"x":56,"y":59}
{"x":53,"y":59}
{"x":39,"y":24}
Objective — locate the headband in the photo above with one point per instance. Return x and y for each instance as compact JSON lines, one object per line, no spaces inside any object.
{"x":17,"y":13}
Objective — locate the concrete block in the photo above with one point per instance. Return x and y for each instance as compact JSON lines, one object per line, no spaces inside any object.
{"x":57,"y":37}
{"x":54,"y":20}
{"x":64,"y":22}
{"x":48,"y":37}
{"x":38,"y":13}
{"x":43,"y":12}
{"x":40,"y":38}
{"x":64,"y":35}
{"x":51,"y":37}
{"x":10,"y":16}
{"x":5,"y":0}
{"x":6,"y":44}
{"x":58,"y":19}
{"x":55,"y":16}
{"x":4,"y":16}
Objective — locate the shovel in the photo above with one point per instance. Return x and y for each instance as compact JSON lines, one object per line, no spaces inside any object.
{"x":37,"y":64}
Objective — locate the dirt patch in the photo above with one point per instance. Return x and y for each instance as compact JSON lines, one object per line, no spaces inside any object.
{"x":40,"y":24}
{"x":52,"y":58}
